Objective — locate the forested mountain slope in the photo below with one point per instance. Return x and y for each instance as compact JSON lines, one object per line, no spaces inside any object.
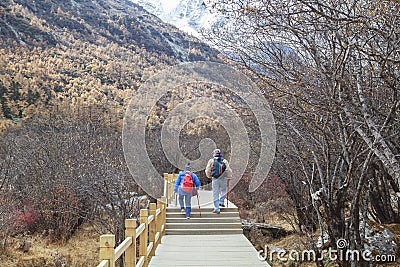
{"x":85,"y":53}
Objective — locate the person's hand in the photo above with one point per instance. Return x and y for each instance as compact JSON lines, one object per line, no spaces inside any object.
{"x":176,"y":193}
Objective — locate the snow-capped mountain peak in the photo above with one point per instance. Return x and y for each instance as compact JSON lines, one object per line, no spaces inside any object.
{"x":190,"y":16}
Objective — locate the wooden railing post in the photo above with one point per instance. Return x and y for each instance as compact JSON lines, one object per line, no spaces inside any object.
{"x":166,"y":184}
{"x":152,"y":228}
{"x":107,"y":243}
{"x":159,"y":221}
{"x":171,"y":188}
{"x":130,"y":253}
{"x":164,"y":214}
{"x":143,"y":241}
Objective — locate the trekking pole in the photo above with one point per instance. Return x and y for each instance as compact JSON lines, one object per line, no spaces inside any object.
{"x":227,"y":193}
{"x":198,"y":202}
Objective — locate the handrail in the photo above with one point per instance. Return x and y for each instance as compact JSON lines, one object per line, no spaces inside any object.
{"x":104,"y":263}
{"x":140,"y":262}
{"x":150,"y":248}
{"x":122,"y":247}
{"x":140,"y":229}
{"x":149,"y":232}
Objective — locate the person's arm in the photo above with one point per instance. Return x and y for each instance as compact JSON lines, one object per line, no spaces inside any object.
{"x":228,"y":170}
{"x":178,"y":182}
{"x":209,"y":168}
{"x":196,"y":180}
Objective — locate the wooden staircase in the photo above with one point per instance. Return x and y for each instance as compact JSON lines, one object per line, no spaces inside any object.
{"x":208,"y":223}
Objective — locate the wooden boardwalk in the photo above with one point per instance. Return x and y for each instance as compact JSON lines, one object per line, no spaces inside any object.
{"x":218,"y":240}
{"x":206,"y":239}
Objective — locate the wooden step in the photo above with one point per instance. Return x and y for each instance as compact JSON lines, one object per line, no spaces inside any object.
{"x":191,"y":225}
{"x":196,"y":208}
{"x":211,"y":231}
{"x":205,"y":220}
{"x":204,"y":214}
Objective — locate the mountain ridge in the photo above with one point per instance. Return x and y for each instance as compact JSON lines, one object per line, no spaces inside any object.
{"x":118,"y":21}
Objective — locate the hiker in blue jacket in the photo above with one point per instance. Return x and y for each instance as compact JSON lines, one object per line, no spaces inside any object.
{"x":185,"y":192}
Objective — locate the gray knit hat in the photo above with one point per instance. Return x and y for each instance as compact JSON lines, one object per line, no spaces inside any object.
{"x":217,"y":153}
{"x":187,"y":167}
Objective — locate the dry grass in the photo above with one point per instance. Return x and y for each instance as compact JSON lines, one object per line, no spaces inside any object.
{"x":80,"y":251}
{"x":286,"y":222}
{"x":294,"y":240}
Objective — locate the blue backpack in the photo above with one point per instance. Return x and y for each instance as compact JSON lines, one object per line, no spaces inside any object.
{"x":218,"y":167}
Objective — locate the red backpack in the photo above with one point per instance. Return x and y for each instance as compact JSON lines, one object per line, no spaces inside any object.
{"x":187,"y":183}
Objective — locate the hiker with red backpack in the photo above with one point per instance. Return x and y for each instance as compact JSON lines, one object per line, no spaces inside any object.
{"x":186,"y":183}
{"x":219,"y":171}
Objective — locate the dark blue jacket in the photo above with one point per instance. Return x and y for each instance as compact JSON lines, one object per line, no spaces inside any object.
{"x":179,"y":180}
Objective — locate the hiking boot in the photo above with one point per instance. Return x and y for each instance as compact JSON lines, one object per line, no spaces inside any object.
{"x":222,"y":205}
{"x":216,"y":211}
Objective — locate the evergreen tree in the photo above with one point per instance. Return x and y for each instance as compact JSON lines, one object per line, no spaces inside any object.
{"x":5,"y":109}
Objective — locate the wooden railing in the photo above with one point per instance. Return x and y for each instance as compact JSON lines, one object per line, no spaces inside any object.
{"x":150,"y":231}
{"x":169,"y":182}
